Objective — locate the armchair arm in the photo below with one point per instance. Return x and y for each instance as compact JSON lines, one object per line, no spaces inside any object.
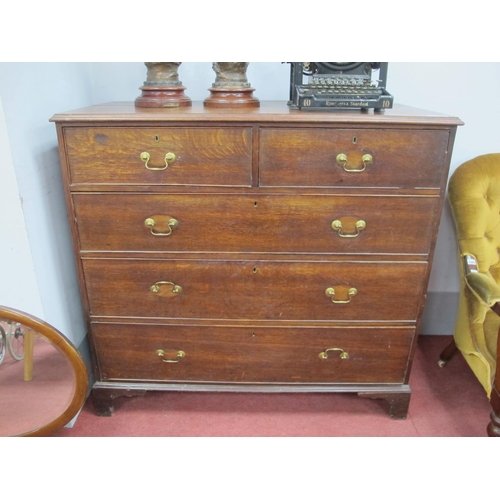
{"x":483,"y":287}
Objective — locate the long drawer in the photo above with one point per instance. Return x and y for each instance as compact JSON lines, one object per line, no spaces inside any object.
{"x":260,"y":290}
{"x":201,"y":156}
{"x":385,"y":158}
{"x":256,"y":223}
{"x":240,"y":354}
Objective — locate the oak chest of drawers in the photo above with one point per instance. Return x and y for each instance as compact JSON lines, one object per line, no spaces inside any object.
{"x":261,"y":250}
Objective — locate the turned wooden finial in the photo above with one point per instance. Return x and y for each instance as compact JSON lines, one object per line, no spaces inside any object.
{"x":231,"y":88}
{"x":162,"y":88}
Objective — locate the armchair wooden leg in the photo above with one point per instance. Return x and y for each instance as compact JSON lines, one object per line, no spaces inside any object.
{"x":448,"y":353}
{"x":494,"y":426}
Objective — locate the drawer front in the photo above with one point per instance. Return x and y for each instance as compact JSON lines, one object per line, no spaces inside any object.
{"x":246,"y":355}
{"x":308,"y":157}
{"x":237,"y":223}
{"x":274,"y":290}
{"x":203,"y":156}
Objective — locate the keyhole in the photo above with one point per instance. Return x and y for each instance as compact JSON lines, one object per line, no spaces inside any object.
{"x":255,"y":204}
{"x":254,"y":270}
{"x":157,"y":138}
{"x":354,"y":140}
{"x":253,"y":334}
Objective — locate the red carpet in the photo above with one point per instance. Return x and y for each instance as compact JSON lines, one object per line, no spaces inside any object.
{"x":445,"y":401}
{"x":29,"y":405}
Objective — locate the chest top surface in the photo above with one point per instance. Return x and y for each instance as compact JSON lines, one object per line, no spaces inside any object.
{"x":268,"y":112}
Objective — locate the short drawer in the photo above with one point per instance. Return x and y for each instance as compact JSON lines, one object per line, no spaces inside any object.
{"x":253,"y":224}
{"x":263,"y":290}
{"x":323,"y":157}
{"x":202,"y":155}
{"x":246,"y":355}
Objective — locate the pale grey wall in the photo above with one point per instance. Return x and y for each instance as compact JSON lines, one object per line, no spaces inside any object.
{"x":32,"y":92}
{"x":18,"y":284}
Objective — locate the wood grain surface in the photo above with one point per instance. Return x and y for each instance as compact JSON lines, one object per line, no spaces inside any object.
{"x":288,"y":355}
{"x":307,"y":157}
{"x":204,"y":156}
{"x":254,"y":223}
{"x":259,"y":290}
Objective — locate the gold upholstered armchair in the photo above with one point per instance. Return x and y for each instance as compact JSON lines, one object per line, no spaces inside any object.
{"x":474,"y":196}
